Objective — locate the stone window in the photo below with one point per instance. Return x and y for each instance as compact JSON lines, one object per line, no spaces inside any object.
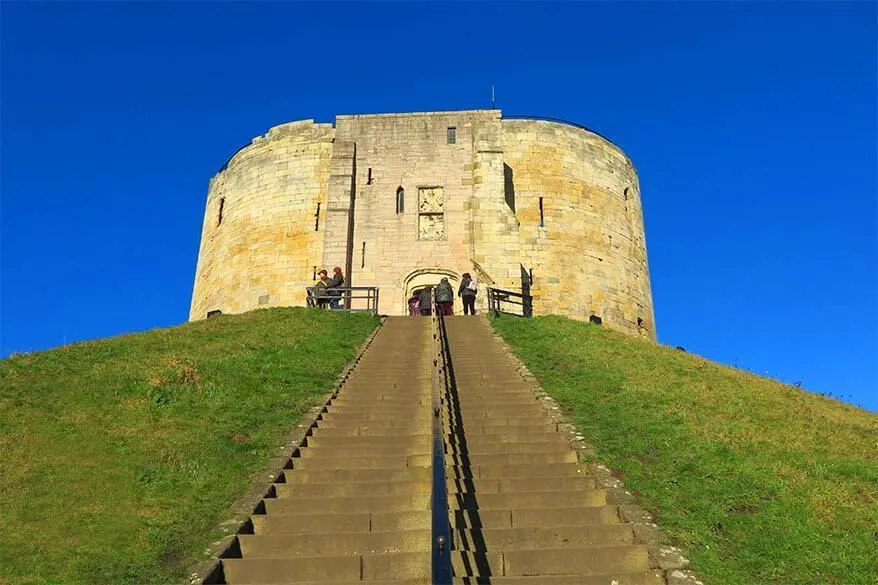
{"x":369,"y":177}
{"x":219,"y":219}
{"x":625,"y":197}
{"x":542,"y":219}
{"x":400,"y":200}
{"x":431,"y":213}
{"x":452,"y":135}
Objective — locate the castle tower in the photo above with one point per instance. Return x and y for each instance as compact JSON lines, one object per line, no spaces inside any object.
{"x":401,"y":200}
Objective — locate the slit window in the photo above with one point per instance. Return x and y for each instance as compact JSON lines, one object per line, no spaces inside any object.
{"x":363,"y":256}
{"x":542,"y":218}
{"x":317,"y":219}
{"x":369,"y":177}
{"x":625,"y":197}
{"x":452,"y":135}
{"x":222,"y":205}
{"x":400,"y":200}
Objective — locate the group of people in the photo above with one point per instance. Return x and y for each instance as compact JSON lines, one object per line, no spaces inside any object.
{"x":327,"y":288}
{"x":419,"y":303}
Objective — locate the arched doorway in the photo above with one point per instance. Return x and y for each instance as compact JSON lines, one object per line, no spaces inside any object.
{"x":418,"y":279}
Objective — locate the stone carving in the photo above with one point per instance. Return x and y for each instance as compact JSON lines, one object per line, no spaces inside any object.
{"x":431,"y":216}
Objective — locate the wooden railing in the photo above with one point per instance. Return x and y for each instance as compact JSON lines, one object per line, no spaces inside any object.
{"x":352,"y":298}
{"x":509,"y":302}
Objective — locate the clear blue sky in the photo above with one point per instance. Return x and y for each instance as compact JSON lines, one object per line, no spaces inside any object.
{"x":752,"y":126}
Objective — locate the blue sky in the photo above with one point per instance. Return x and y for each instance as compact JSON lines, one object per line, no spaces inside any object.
{"x":752,"y":126}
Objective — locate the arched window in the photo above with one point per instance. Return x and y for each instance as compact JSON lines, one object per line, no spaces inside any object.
{"x":400,"y":200}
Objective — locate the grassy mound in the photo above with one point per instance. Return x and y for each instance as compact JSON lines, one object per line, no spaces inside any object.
{"x":757,"y":481}
{"x":120,"y":455}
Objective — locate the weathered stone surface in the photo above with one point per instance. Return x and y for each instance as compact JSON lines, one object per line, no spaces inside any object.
{"x":543,"y":206}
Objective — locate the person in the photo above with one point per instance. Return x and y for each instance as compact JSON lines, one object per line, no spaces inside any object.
{"x":336,"y":282}
{"x":320,"y":292}
{"x":445,"y":297}
{"x":425,"y":299}
{"x":414,"y":305}
{"x":467,"y":293}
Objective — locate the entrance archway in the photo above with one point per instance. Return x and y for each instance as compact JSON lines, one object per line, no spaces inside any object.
{"x":418,"y":279}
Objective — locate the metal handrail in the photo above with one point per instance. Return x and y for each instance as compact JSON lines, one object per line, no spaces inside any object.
{"x":496,"y":296}
{"x":441,"y":527}
{"x":315,"y":294}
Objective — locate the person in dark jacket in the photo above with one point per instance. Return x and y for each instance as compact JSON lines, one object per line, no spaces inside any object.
{"x":467,"y":293}
{"x":425,"y":299}
{"x":336,"y":282}
{"x":445,"y":297}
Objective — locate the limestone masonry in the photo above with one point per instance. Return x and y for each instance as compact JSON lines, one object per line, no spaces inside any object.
{"x":401,"y":200}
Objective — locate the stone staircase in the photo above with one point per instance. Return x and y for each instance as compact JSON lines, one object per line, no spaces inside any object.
{"x":356,"y":505}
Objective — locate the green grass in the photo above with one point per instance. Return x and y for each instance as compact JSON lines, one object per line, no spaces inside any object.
{"x":758,"y":482}
{"x":120,"y":456}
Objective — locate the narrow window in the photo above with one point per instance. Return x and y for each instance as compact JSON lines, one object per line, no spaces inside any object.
{"x":452,"y":135}
{"x":369,"y":177}
{"x":625,"y":196}
{"x":363,"y":256}
{"x":317,"y":219}
{"x":542,"y":219}
{"x":400,"y":200}
{"x":222,"y":205}
{"x":314,"y":274}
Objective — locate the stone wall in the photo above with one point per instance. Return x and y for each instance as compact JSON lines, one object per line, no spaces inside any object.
{"x":265,"y":249}
{"x":586,"y":249}
{"x":426,"y":204}
{"x":411,"y":152}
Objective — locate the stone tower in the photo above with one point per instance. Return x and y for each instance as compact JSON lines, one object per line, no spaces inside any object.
{"x":401,"y":200}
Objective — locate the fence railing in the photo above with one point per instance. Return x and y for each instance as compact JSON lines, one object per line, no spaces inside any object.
{"x":441,"y":526}
{"x":352,"y":298}
{"x":509,"y":302}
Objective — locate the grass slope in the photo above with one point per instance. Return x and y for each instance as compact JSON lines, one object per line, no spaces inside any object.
{"x":759,"y":482}
{"x":120,"y":455}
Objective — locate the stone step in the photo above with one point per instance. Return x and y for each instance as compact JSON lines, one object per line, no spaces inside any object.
{"x":370,"y":430}
{"x":485,"y":426}
{"x":505,"y":539}
{"x":340,"y":440}
{"x":333,"y":544}
{"x":347,"y":504}
{"x":534,"y":517}
{"x":598,"y":560}
{"x":348,"y":395}
{"x":529,"y":499}
{"x":512,"y":485}
{"x":486,"y":448}
{"x":348,"y":569}
{"x":387,"y":418}
{"x":349,"y":489}
{"x":644,"y":578}
{"x":511,"y":458}
{"x":362,"y":462}
{"x":523,"y":471}
{"x":504,"y":437}
{"x":402,"y":448}
{"x":533,"y":423}
{"x":357,"y":475}
{"x":282,"y":523}
{"x":362,"y":407}
{"x":594,"y":560}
